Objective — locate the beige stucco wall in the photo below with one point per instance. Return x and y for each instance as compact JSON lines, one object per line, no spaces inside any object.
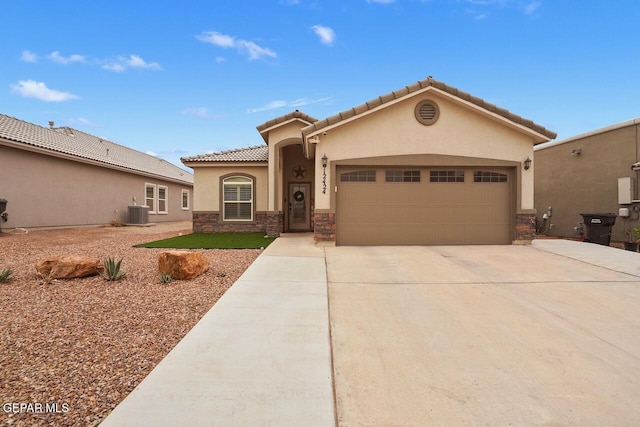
{"x":207,"y":184}
{"x":586,"y":183}
{"x":46,"y":191}
{"x":461,"y":131}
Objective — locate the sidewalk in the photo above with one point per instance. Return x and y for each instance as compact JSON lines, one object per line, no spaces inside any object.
{"x":260,"y":356}
{"x":602,"y":256}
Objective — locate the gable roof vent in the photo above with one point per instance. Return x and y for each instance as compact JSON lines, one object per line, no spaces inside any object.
{"x":427,"y":112}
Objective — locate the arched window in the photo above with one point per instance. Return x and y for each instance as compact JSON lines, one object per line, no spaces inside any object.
{"x":237,"y":199}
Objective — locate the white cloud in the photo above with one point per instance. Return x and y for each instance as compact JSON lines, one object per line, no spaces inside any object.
{"x":82,"y":121}
{"x":217,"y":39}
{"x":326,"y":34}
{"x":28,"y":56}
{"x":56,"y":57}
{"x":244,"y":47}
{"x":38,"y":90}
{"x":253,"y":50}
{"x":201,"y":112}
{"x":121,"y":63}
{"x":220,"y":59}
{"x":290,"y":104}
{"x":151,"y":153}
{"x":381,"y":1}
{"x":532,"y":7}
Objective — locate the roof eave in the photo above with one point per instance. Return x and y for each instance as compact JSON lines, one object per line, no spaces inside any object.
{"x":283,"y":120}
{"x":537,"y":132}
{"x":58,"y":154}
{"x":229,"y":163}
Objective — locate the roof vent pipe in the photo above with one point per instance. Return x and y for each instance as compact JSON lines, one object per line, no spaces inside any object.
{"x":51,"y":124}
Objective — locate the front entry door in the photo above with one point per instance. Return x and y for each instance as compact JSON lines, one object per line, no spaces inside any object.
{"x":299,"y":206}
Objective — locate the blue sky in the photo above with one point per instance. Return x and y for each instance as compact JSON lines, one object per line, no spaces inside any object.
{"x":184,"y":78}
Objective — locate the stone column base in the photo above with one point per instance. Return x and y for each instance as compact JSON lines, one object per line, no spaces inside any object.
{"x":324,"y":227}
{"x":525,"y":227}
{"x":275,"y":223}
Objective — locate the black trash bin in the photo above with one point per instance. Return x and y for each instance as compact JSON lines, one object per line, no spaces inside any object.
{"x":598,"y":227}
{"x":3,"y":207}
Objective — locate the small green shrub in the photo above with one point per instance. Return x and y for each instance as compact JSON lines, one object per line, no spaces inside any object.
{"x":5,"y":275}
{"x":165,"y":278}
{"x":112,"y":270}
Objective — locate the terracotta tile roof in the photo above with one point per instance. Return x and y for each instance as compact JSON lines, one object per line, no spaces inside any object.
{"x":256,"y":153}
{"x":292,"y":115}
{"x":297,"y":114}
{"x":407,"y":90}
{"x":82,"y":145}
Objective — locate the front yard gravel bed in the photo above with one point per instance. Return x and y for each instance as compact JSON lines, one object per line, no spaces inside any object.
{"x":78,"y":347}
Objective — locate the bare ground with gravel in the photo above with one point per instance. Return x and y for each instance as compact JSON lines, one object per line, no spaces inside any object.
{"x":84,"y":344}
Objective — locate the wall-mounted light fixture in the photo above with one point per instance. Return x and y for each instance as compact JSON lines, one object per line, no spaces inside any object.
{"x":576,"y":152}
{"x":527,"y":163}
{"x":324,"y":173}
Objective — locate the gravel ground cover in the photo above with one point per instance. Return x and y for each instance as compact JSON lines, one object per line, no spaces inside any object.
{"x":71,"y":350}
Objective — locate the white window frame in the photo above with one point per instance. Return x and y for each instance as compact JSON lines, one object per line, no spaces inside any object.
{"x":184,"y":191}
{"x":152,"y":208}
{"x":166,"y":199}
{"x":249,"y":181}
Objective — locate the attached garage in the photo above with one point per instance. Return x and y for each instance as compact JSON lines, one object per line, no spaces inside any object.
{"x":439,"y":205}
{"x":427,"y":164}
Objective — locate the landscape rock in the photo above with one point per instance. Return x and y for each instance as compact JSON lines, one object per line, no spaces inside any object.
{"x":68,"y":267}
{"x":182,"y":265}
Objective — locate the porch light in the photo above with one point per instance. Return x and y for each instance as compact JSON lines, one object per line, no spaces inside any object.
{"x":324,"y":160}
{"x":527,"y":163}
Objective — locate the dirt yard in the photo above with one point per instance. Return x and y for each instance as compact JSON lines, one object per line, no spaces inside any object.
{"x":71,"y":350}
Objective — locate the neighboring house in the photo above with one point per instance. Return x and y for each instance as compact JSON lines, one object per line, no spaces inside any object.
{"x":589,"y":173}
{"x":65,"y":177}
{"x":426,"y":164}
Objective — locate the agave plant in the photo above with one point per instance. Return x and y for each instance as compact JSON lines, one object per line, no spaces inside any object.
{"x":5,"y":275}
{"x":165,"y":278}
{"x":112,"y":270}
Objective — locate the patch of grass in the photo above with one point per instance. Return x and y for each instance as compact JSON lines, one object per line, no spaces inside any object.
{"x":213,"y":241}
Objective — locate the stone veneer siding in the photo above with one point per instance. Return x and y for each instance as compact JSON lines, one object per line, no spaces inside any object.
{"x":525,"y":226}
{"x":275,"y":223}
{"x":324,"y":229}
{"x":209,"y":222}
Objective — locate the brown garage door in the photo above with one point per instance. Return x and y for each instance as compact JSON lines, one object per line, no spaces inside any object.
{"x":424,"y":206}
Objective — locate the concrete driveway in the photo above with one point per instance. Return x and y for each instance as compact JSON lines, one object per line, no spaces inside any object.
{"x":485,"y":335}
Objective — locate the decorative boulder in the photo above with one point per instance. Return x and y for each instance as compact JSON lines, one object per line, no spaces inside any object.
{"x":68,"y":267}
{"x":182,"y":265}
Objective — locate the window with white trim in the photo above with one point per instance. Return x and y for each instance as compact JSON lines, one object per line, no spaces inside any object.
{"x":185,"y":200}
{"x":237,"y":198}
{"x":150,"y":197}
{"x":163,"y":202}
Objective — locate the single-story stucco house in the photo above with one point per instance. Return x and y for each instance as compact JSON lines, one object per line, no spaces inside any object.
{"x":589,"y":173}
{"x":425,"y":164}
{"x":59,"y":176}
